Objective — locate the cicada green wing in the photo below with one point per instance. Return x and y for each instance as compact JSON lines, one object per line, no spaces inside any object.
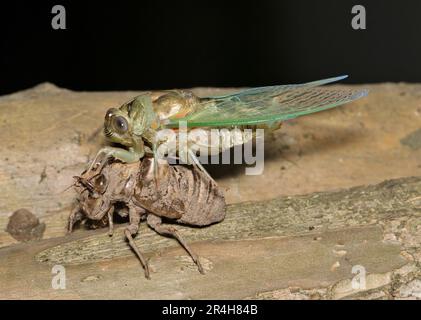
{"x":267,"y":104}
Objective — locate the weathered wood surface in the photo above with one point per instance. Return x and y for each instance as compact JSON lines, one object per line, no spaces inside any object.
{"x":292,"y":247}
{"x":49,"y":134}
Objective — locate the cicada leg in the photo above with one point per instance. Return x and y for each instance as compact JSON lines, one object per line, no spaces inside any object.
{"x":155,"y":223}
{"x":128,"y":156}
{"x":197,"y":163}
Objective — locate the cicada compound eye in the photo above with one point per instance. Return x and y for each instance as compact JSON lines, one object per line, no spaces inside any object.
{"x":120,"y":124}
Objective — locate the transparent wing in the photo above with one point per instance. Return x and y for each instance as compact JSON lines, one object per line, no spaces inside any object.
{"x":267,"y":104}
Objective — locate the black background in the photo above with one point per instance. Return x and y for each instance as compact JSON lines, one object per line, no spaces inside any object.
{"x":121,"y":45}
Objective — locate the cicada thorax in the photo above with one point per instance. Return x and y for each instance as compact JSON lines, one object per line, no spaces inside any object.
{"x":174,"y":104}
{"x":180,"y":193}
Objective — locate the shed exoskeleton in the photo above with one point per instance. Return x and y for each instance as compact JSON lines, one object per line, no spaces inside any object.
{"x":184,"y":194}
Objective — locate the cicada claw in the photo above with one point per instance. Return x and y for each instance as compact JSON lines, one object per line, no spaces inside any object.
{"x":103,"y":155}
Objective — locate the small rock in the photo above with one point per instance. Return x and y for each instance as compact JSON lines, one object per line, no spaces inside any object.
{"x":24,"y":226}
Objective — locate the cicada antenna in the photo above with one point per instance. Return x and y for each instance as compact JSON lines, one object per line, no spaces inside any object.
{"x":67,"y":188}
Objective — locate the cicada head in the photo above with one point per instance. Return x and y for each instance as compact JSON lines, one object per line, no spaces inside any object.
{"x":127,"y":124}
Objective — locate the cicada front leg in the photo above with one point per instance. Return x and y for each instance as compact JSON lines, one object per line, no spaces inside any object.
{"x":103,"y":155}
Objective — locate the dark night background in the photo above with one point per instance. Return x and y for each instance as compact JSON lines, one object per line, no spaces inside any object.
{"x":122,"y":45}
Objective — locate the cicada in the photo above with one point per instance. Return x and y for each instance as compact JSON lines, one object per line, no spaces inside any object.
{"x":137,"y":124}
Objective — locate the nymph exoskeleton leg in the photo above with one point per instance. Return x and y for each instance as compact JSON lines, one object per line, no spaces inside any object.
{"x":127,"y":156}
{"x":155,"y":223}
{"x":135,"y":215}
{"x":110,"y":221}
{"x":75,"y":216}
